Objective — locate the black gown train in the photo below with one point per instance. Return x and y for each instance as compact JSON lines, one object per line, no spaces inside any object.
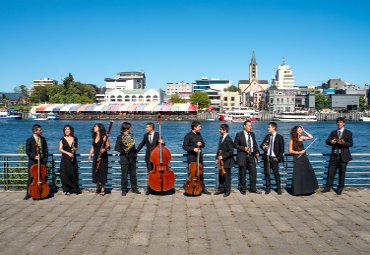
{"x":304,"y":178}
{"x":69,"y":168}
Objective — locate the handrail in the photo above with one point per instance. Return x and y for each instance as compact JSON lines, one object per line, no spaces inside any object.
{"x":13,"y":170}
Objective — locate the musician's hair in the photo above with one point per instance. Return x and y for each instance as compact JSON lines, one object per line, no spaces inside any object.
{"x":245,"y":122}
{"x":150,"y":124}
{"x":195,"y":124}
{"x":224,"y":127}
{"x":102,"y":130}
{"x":35,"y":127}
{"x":295,"y":137}
{"x":341,"y":119}
{"x":125,"y":126}
{"x":71,"y":128}
{"x":273,"y":124}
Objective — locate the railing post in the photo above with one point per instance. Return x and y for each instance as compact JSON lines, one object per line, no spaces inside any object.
{"x":6,"y":174}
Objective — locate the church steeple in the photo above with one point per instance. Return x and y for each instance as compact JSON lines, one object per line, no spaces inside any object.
{"x":253,"y":69}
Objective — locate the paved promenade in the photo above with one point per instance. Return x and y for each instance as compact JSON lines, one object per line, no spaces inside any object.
{"x":139,"y":224}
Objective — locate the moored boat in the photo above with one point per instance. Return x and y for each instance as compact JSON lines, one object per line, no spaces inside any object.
{"x":8,"y":114}
{"x":297,"y":116}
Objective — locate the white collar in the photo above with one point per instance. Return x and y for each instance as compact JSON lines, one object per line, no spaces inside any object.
{"x":341,"y":130}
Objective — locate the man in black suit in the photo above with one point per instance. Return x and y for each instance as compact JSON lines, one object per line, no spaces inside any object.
{"x":125,"y":145}
{"x":273,"y":147}
{"x":246,"y":146}
{"x":340,"y":140}
{"x":31,"y":151}
{"x":225,"y":153}
{"x":193,"y":143}
{"x":150,"y":140}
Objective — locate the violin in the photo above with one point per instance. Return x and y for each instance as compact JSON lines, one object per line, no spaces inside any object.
{"x":38,"y":188}
{"x":161,"y":178}
{"x":221,"y":164}
{"x":193,"y":185}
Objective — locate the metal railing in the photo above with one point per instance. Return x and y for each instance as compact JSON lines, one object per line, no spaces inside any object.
{"x":13,"y":171}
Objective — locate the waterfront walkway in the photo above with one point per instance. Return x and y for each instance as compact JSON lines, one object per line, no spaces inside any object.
{"x":139,"y":224}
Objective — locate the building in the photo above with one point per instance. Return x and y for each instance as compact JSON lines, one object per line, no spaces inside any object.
{"x":181,"y":88}
{"x":229,"y":100}
{"x":134,"y":96}
{"x":214,"y":95}
{"x":281,"y":100}
{"x":126,"y":80}
{"x":340,"y":102}
{"x":11,"y":98}
{"x":214,"y":83}
{"x":259,"y":100}
{"x":251,"y":86}
{"x":334,"y":84}
{"x":284,"y":78}
{"x":44,"y":82}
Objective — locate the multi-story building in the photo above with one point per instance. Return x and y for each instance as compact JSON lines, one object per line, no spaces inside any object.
{"x":251,"y":86}
{"x":126,"y":80}
{"x":281,"y":100}
{"x":181,"y":88}
{"x":345,"y":102}
{"x":134,"y":96}
{"x":44,"y":82}
{"x":213,"y":83}
{"x":284,"y":78}
{"x":230,"y":100}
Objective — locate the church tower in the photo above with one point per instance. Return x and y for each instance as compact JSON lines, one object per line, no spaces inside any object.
{"x":253,"y":69}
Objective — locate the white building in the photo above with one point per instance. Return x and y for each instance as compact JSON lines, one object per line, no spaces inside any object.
{"x":214,"y":83}
{"x":126,"y":80}
{"x":134,"y":96}
{"x":179,"y":88}
{"x":284,"y":78}
{"x":44,"y":82}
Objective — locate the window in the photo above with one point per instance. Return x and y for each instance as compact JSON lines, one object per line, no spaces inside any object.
{"x":112,"y":98}
{"x":232,"y":99}
{"x":282,"y":100}
{"x":133,"y":98}
{"x":155,"y":98}
{"x":119,"y":98}
{"x":127,"y":98}
{"x":225,"y":98}
{"x":148,"y":98}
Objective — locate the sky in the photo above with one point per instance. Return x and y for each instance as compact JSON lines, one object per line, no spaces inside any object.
{"x":183,"y":40}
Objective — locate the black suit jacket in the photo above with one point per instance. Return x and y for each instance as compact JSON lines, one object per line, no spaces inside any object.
{"x":278,"y":146}
{"x":227,"y":147}
{"x":149,"y":146}
{"x":128,"y":157}
{"x":32,"y":153}
{"x":345,"y":155}
{"x":190,"y":142}
{"x":240,"y":143}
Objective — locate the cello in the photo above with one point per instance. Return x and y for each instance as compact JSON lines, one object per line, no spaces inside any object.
{"x":161,"y":178}
{"x":193,"y":185}
{"x":38,"y":188}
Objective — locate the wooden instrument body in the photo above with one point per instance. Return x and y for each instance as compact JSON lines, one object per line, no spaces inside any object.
{"x":98,"y":160}
{"x":38,"y":188}
{"x":193,"y":185}
{"x":221,"y":164}
{"x":161,"y":177}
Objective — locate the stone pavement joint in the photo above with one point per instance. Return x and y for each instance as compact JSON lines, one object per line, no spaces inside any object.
{"x":176,"y":224}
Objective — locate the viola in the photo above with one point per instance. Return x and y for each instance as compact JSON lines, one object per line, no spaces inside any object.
{"x":38,"y":188}
{"x":161,"y":178}
{"x":98,"y":160}
{"x":193,"y":185}
{"x":221,"y":164}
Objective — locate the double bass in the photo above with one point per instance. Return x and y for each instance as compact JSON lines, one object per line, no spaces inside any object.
{"x":38,"y":188}
{"x":193,"y":185}
{"x":161,"y":178}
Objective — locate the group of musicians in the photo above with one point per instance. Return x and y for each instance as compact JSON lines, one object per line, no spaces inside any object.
{"x":304,"y":179}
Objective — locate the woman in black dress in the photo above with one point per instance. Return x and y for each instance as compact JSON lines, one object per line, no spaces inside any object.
{"x":99,"y":176}
{"x":68,"y":145}
{"x":304,"y":178}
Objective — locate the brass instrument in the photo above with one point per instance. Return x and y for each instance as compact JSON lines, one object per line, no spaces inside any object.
{"x":128,"y":142}
{"x":221,"y":164}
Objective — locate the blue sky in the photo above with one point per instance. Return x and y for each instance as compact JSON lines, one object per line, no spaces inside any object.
{"x":183,"y":40}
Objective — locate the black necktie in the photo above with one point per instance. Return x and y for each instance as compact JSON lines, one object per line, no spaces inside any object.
{"x":221,"y":138}
{"x":249,"y":141}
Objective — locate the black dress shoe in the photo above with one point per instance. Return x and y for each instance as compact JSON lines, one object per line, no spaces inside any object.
{"x":325,"y":190}
{"x":78,"y":191}
{"x":26,"y":197}
{"x":227,"y":193}
{"x":268,"y":191}
{"x":243,"y":192}
{"x":147,"y":192}
{"x":219,"y":192}
{"x":136,"y":191}
{"x":339,"y":192}
{"x":255,"y":191}
{"x":205,"y":191}
{"x":123,"y":193}
{"x":279,"y":192}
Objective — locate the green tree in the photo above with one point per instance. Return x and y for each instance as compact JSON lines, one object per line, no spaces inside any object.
{"x":68,"y":80}
{"x":175,"y":98}
{"x":321,"y":101}
{"x":362,"y":103}
{"x":200,"y":98}
{"x":232,"y":88}
{"x":38,"y":95}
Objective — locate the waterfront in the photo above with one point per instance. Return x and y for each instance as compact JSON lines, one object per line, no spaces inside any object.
{"x":15,"y":133}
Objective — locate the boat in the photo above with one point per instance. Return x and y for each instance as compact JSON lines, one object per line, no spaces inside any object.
{"x":43,"y":116}
{"x":9,"y":114}
{"x":52,"y":116}
{"x":365,"y":119}
{"x":241,"y":114}
{"x":297,"y":116}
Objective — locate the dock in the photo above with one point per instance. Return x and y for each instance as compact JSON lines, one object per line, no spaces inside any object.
{"x":177,"y":224}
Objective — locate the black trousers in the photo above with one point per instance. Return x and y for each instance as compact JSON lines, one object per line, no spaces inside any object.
{"x":334,"y":164}
{"x":129,"y":167}
{"x":224,"y":181}
{"x":270,"y":163}
{"x":249,"y":166}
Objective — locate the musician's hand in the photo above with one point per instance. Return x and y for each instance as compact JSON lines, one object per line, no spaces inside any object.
{"x":199,"y":144}
{"x":74,"y":149}
{"x":217,"y":162}
{"x":220,"y":157}
{"x":70,"y":154}
{"x":89,"y":158}
{"x":247,"y":149}
{"x":37,"y":157}
{"x":197,"y":150}
{"x":333,"y":141}
{"x":161,"y":141}
{"x":265,"y":147}
{"x":275,"y":159}
{"x":102,"y":150}
{"x":301,"y":152}
{"x":340,"y":141}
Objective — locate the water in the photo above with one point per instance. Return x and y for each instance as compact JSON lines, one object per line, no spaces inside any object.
{"x":15,"y":133}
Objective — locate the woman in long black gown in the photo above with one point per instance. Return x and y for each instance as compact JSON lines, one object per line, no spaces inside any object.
{"x":304,"y":178}
{"x":99,"y":176}
{"x":68,"y":145}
